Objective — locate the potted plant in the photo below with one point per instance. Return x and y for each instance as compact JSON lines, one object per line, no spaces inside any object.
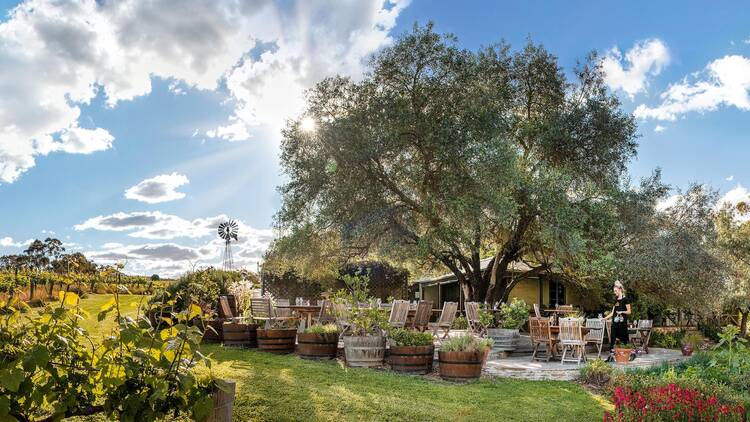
{"x":278,"y":336}
{"x":364,"y":342}
{"x":622,"y":352}
{"x":411,"y":351}
{"x":319,"y":341}
{"x":461,"y":358}
{"x":506,"y":333}
{"x":692,"y":341}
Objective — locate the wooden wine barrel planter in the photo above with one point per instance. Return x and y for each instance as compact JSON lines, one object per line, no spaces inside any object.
{"x":317,"y":346}
{"x":279,"y":341}
{"x":412,"y":359}
{"x":212,"y":331}
{"x":239,"y":335}
{"x":460,"y":366}
{"x":364,"y":352}
{"x":223,"y":404}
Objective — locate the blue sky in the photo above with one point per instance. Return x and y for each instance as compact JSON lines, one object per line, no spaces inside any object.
{"x":182,"y":108}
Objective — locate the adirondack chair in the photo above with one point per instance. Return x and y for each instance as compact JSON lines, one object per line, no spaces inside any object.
{"x":445,"y":322}
{"x":541,"y":336}
{"x":422,"y":315}
{"x":399,"y":314}
{"x":472,"y":317}
{"x":260,"y":308}
{"x":571,"y":339}
{"x":595,"y":335}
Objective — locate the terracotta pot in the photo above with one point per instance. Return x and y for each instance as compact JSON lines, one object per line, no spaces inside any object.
{"x":460,"y":366}
{"x":622,"y":355}
{"x":412,"y":359}
{"x":317,"y":346}
{"x":687,"y":350}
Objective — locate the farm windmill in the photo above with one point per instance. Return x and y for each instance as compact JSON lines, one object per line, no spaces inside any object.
{"x":228,"y":231}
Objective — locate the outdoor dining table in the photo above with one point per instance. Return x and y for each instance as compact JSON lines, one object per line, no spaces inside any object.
{"x":557,"y":312}
{"x":304,"y":312}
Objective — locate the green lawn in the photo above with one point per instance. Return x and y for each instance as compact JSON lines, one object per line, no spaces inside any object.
{"x":287,"y":388}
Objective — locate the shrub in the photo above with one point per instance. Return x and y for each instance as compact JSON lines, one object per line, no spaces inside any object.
{"x":460,"y":323}
{"x":466,"y":343}
{"x":515,"y":314}
{"x":693,"y":339}
{"x":322,"y":329}
{"x":671,"y":402}
{"x":667,"y":339}
{"x":597,"y":372}
{"x":404,"y":337}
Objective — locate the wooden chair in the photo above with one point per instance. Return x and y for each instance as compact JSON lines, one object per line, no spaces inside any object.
{"x":571,"y":340}
{"x":327,"y":315}
{"x":541,"y":335}
{"x":399,"y":314}
{"x":282,"y":312}
{"x":595,"y":335}
{"x":342,"y":314}
{"x":537,"y":311}
{"x":643,"y":335}
{"x":260,"y":308}
{"x":472,"y":317}
{"x":445,"y":322}
{"x":422,"y":315}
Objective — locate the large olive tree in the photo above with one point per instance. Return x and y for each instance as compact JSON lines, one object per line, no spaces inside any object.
{"x":449,"y":156}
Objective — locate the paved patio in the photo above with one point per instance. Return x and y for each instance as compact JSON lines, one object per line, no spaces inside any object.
{"x":521,"y":365}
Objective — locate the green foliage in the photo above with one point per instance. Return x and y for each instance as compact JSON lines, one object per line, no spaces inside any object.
{"x":597,"y":372}
{"x":51,"y":367}
{"x":466,"y":343}
{"x":365,"y":317}
{"x":322,"y":329}
{"x":667,"y":339}
{"x":202,"y":287}
{"x":404,"y":337}
{"x":460,"y":323}
{"x":515,"y":314}
{"x":693,"y":339}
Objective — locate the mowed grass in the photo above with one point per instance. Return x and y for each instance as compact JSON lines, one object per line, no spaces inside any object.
{"x":286,"y":388}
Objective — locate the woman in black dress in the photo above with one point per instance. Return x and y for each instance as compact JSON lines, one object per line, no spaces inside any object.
{"x":619,"y":316}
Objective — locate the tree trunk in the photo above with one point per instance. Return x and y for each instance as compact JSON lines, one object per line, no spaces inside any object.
{"x":743,"y":322}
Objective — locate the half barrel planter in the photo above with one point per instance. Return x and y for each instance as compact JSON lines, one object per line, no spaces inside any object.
{"x":412,"y":359}
{"x":365,"y":351}
{"x":239,"y":335}
{"x":278,"y":341}
{"x":460,"y":366}
{"x":212,"y":331}
{"x":317,"y":345}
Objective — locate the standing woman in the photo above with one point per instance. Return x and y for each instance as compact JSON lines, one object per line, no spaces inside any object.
{"x":619,"y":315}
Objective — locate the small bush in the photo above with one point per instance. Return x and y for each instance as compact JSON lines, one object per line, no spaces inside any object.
{"x":322,"y":329}
{"x":403,"y":337}
{"x":460,"y":323}
{"x":667,"y":339}
{"x":466,"y":343}
{"x":597,"y":372}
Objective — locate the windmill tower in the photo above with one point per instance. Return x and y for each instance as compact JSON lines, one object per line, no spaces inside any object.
{"x":228,"y":231}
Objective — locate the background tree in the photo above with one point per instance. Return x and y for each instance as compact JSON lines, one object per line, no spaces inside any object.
{"x":733,"y":229}
{"x":448,"y":156}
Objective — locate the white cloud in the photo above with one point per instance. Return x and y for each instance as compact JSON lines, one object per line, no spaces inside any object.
{"x":157,"y":189}
{"x":668,"y":202}
{"x":153,"y":225}
{"x":172,"y":259}
{"x":730,"y":178}
{"x":56,"y":56}
{"x":630,"y":73}
{"x":8,"y":242}
{"x":659,"y":129}
{"x":724,"y":82}
{"x":733,"y":197}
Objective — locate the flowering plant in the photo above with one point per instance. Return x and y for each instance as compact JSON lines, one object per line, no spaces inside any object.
{"x":670,"y":402}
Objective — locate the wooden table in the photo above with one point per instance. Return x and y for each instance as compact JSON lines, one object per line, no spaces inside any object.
{"x":556,"y":313}
{"x":305,"y":313}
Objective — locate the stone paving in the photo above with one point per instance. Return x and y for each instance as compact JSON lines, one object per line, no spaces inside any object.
{"x":521,"y":366}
